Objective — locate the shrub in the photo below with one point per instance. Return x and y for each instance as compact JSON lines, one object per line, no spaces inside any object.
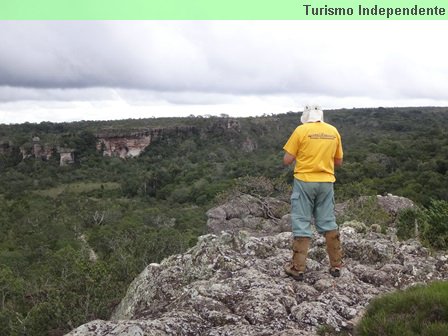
{"x":407,"y":221}
{"x":350,"y":190}
{"x":435,"y":225}
{"x":365,"y":210}
{"x":8,"y":320}
{"x":432,"y":223}
{"x":416,"y":311}
{"x":259,"y":186}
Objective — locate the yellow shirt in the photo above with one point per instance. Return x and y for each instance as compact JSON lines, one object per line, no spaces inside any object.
{"x":315,"y":145}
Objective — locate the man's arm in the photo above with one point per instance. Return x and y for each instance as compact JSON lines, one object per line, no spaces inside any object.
{"x":337,"y":162}
{"x":288,"y":159}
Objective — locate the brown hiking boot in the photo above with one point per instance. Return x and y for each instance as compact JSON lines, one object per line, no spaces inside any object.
{"x":297,"y":266}
{"x":335,"y":271}
{"x":292,"y":272}
{"x":334,"y":251}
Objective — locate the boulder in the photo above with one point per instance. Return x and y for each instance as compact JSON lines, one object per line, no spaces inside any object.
{"x":259,"y":216}
{"x":394,"y":204}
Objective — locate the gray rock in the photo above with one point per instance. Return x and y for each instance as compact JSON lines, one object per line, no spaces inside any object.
{"x":258,"y":216}
{"x":233,"y":283}
{"x":390,"y":203}
{"x":394,"y":204}
{"x":358,"y":226}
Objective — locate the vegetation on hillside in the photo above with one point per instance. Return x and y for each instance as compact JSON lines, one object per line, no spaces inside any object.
{"x":137,"y":211}
{"x":420,"y":310}
{"x":429,"y":224}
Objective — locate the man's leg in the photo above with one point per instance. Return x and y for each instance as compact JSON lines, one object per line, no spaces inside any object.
{"x":301,"y":211}
{"x":334,"y":251}
{"x":326,"y":224}
{"x":296,"y":268}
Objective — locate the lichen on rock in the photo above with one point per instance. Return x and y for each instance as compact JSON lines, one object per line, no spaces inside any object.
{"x":233,"y":283}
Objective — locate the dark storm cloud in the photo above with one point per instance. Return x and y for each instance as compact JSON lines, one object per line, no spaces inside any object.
{"x":202,"y":57}
{"x":58,"y":60}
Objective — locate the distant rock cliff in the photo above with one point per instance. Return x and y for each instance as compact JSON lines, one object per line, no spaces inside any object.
{"x":125,"y":143}
{"x":232,"y":283}
{"x":133,"y":143}
{"x":42,"y":151}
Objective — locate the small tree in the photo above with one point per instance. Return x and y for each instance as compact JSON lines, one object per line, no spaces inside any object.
{"x":435,"y":226}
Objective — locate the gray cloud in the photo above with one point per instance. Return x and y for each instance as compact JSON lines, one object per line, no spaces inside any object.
{"x":214,"y":62}
{"x":229,"y":57}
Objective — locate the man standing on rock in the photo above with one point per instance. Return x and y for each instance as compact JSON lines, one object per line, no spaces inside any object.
{"x":316,"y":148}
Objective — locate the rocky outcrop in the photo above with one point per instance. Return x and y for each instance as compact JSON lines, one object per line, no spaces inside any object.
{"x":221,"y":125}
{"x":249,"y":145}
{"x":45,"y":152}
{"x":233,"y":283}
{"x":389,"y":203}
{"x":37,"y":150}
{"x":127,"y":143}
{"x":133,"y":143}
{"x":67,"y":156}
{"x":259,"y":216}
{"x":394,"y":204}
{"x":124,"y":146}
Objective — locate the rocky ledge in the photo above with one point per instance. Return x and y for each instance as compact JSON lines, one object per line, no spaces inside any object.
{"x":233,"y":283}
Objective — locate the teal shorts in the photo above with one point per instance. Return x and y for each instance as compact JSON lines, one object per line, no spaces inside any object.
{"x":312,"y":199}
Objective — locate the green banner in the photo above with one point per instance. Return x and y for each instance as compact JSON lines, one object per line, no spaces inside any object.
{"x":223,"y":10}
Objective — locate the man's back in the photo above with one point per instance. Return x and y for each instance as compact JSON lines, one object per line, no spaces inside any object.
{"x":315,"y":145}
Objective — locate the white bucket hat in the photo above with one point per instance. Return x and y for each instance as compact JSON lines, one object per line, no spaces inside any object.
{"x":312,"y":113}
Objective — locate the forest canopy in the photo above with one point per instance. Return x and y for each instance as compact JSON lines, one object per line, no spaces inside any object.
{"x":131,"y":212}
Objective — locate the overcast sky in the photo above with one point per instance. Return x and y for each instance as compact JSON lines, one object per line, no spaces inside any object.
{"x":90,"y":70}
